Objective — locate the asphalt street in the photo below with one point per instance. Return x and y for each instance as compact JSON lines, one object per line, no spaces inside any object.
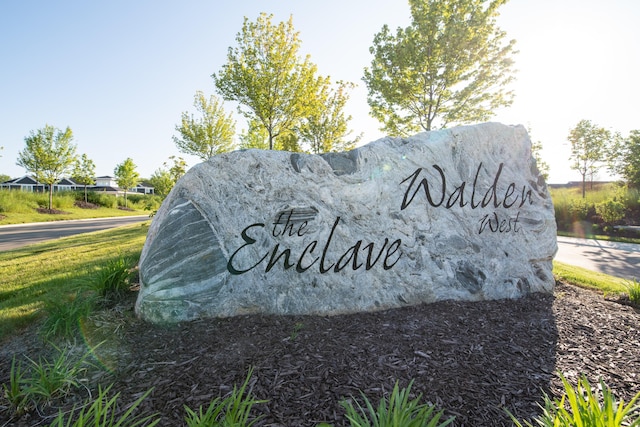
{"x":612,"y":258}
{"x":19,"y":235}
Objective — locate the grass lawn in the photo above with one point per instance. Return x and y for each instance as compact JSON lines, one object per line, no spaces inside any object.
{"x":73,"y":213}
{"x":56,"y":270}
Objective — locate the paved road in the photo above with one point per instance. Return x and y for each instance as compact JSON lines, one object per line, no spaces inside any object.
{"x":16,"y":236}
{"x":616,"y":259}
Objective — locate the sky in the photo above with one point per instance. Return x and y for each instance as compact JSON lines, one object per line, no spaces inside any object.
{"x":119,"y":73}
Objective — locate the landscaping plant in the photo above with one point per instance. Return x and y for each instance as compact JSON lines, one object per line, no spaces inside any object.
{"x":634,"y":292}
{"x":232,"y":411}
{"x":102,"y":413}
{"x":64,"y":315}
{"x":43,"y":381}
{"x":112,"y":281}
{"x":399,"y":411}
{"x":582,"y":407}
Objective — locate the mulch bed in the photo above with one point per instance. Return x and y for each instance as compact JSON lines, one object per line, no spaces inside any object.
{"x":472,"y":359}
{"x":85,"y":205}
{"x":51,"y":211}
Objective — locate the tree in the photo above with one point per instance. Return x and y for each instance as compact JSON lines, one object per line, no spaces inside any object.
{"x":208,"y":135}
{"x":84,"y":172}
{"x":449,"y":66}
{"x":165,"y":178}
{"x":126,"y":176}
{"x":162,"y":182}
{"x":588,"y":144}
{"x":265,"y":75}
{"x":624,"y":158}
{"x":326,"y":129}
{"x":49,"y":155}
{"x":536,"y":152}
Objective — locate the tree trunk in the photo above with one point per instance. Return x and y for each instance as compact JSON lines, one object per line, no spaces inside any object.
{"x":50,"y":196}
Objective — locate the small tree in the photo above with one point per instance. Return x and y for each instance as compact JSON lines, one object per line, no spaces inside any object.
{"x":126,"y":177}
{"x":165,"y":178}
{"x":84,"y":172}
{"x":267,"y":78}
{"x":451,"y":65}
{"x":588,"y":143}
{"x":206,"y":136}
{"x":624,"y":158}
{"x":325,"y":128}
{"x":49,"y":155}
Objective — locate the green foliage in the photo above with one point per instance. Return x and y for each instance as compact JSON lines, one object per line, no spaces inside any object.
{"x":633,"y":289}
{"x":84,"y":172}
{"x":102,"y":199}
{"x":65,"y":314}
{"x":399,"y":411}
{"x":126,"y":176}
{"x":624,"y":158}
{"x":43,"y":380}
{"x":101,"y":413}
{"x":449,"y":66}
{"x":265,"y":75}
{"x":209,"y":135}
{"x":13,"y":392}
{"x":325,"y":128}
{"x":20,"y":201}
{"x":611,"y":210}
{"x":579,"y":209}
{"x":583,"y":407}
{"x":49,"y":155}
{"x":113,"y":280}
{"x":232,"y":411}
{"x":588,"y":149}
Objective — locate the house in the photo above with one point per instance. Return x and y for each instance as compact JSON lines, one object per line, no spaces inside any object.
{"x":106,"y":184}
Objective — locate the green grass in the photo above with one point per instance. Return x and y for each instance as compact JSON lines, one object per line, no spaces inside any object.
{"x":589,"y":279}
{"x":73,"y":213}
{"x":32,"y":276}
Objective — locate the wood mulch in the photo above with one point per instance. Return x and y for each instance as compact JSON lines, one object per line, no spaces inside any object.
{"x":472,"y":359}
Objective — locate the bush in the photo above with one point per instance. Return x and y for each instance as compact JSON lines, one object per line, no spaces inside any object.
{"x":63,"y":200}
{"x":611,"y":210}
{"x":102,"y":199}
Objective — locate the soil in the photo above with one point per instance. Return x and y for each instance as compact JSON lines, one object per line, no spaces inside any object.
{"x":85,"y":205}
{"x":51,"y":211}
{"x":472,"y":359}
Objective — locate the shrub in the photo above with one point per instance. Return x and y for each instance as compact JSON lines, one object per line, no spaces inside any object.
{"x":579,"y":209}
{"x":611,"y":210}
{"x":586,"y":408}
{"x":64,"y":200}
{"x":399,"y":411}
{"x":101,"y":199}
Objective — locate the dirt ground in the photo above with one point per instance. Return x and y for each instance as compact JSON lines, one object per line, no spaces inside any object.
{"x":472,"y":359}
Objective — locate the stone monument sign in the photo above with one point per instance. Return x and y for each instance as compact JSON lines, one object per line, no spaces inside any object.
{"x":461,"y":213}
